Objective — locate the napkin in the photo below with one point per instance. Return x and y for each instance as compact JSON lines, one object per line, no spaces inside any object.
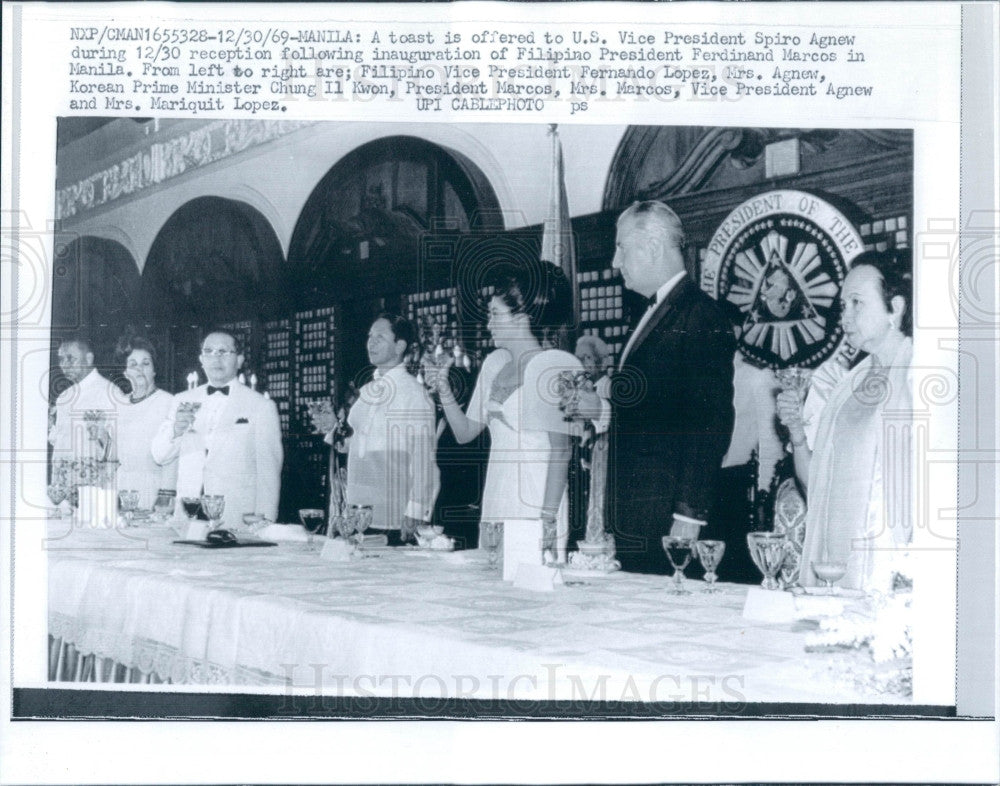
{"x":436,"y":543}
{"x":295,"y":533}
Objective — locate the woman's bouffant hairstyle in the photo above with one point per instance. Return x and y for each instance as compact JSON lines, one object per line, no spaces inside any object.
{"x":128,"y":343}
{"x":542,"y":292}
{"x":895,"y":269}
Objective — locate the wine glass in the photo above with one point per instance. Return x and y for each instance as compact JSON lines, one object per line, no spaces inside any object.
{"x":678,"y":551}
{"x":492,"y":535}
{"x":343,"y":525}
{"x":710,"y":554}
{"x":361,"y":516}
{"x":163,"y":506}
{"x":191,"y":506}
{"x":253,"y":522}
{"x":213,"y":506}
{"x":192,"y":407}
{"x":767,"y":550}
{"x":794,"y":378}
{"x":321,"y":414}
{"x":128,"y":501}
{"x":829,"y":572}
{"x":312,"y":519}
{"x":57,"y":491}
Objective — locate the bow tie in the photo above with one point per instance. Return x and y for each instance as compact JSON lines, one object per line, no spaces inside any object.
{"x":651,"y":301}
{"x":224,"y":390}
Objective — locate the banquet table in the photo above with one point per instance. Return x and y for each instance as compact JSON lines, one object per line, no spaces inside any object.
{"x":410,"y":622}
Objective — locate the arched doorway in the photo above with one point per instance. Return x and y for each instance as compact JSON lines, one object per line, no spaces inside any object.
{"x":215,"y":261}
{"x":371,"y":231}
{"x":383,"y":228}
{"x":95,"y":292}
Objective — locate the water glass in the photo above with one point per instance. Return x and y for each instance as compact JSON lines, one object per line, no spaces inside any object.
{"x":829,"y":572}
{"x":767,"y":550}
{"x":710,"y":554}
{"x":128,"y":502}
{"x":678,"y":551}
{"x":361,"y":516}
{"x":312,"y":519}
{"x":492,"y":537}
{"x":213,"y":505}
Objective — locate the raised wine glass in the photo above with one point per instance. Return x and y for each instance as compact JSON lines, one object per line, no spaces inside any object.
{"x":767,"y":550}
{"x":312,"y":519}
{"x":829,"y":572}
{"x":678,"y":551}
{"x":492,"y":533}
{"x":192,"y":407}
{"x":128,"y":502}
{"x":794,"y":378}
{"x":710,"y":554}
{"x":213,"y":505}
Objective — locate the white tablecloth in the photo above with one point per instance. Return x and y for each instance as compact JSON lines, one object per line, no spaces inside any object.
{"x":418,"y":623}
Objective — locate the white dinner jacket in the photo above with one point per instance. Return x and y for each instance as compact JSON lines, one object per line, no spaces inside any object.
{"x":239,"y":456}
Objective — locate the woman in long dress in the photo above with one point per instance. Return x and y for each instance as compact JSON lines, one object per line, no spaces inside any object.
{"x":858,"y":475}
{"x":517,"y":396}
{"x":138,"y":419}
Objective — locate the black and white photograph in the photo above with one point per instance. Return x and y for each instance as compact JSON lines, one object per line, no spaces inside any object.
{"x":338,"y":419}
{"x":482,"y":458}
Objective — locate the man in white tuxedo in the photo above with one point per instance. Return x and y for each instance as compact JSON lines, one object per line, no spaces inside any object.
{"x":89,"y":392}
{"x":232,"y":444}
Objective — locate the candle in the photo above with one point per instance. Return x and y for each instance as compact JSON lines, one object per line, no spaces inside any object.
{"x":253,"y":381}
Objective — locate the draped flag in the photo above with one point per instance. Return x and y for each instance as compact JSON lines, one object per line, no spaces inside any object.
{"x":557,"y":235}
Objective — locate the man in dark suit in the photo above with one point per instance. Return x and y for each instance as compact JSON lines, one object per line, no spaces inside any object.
{"x":671,"y":397}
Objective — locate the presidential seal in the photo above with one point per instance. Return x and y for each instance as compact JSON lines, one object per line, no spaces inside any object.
{"x":781,"y":258}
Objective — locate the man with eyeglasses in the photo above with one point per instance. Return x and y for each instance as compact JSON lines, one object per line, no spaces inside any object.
{"x":227,"y":437}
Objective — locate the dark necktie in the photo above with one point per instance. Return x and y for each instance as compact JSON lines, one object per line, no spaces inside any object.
{"x":224,"y":390}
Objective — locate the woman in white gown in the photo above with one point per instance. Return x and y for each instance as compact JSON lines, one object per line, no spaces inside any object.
{"x":859,"y":473}
{"x":517,"y":396}
{"x":138,"y":418}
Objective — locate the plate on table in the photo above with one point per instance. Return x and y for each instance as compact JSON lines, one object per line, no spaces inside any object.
{"x":232,"y":544}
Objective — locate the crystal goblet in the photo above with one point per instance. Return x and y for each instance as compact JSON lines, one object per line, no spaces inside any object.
{"x":191,"y":407}
{"x":492,"y":536}
{"x":253,"y":522}
{"x":191,"y":506}
{"x":213,"y":505}
{"x":829,"y":572}
{"x":343,"y":525}
{"x":361,"y":516}
{"x":794,"y":378}
{"x":767,"y":550}
{"x":710,"y":554}
{"x":57,"y":492}
{"x":678,"y":551}
{"x":312,"y":519}
{"x":163,"y":506}
{"x":128,"y":502}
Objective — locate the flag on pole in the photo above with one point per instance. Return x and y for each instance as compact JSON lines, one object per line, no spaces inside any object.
{"x":557,"y":235}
